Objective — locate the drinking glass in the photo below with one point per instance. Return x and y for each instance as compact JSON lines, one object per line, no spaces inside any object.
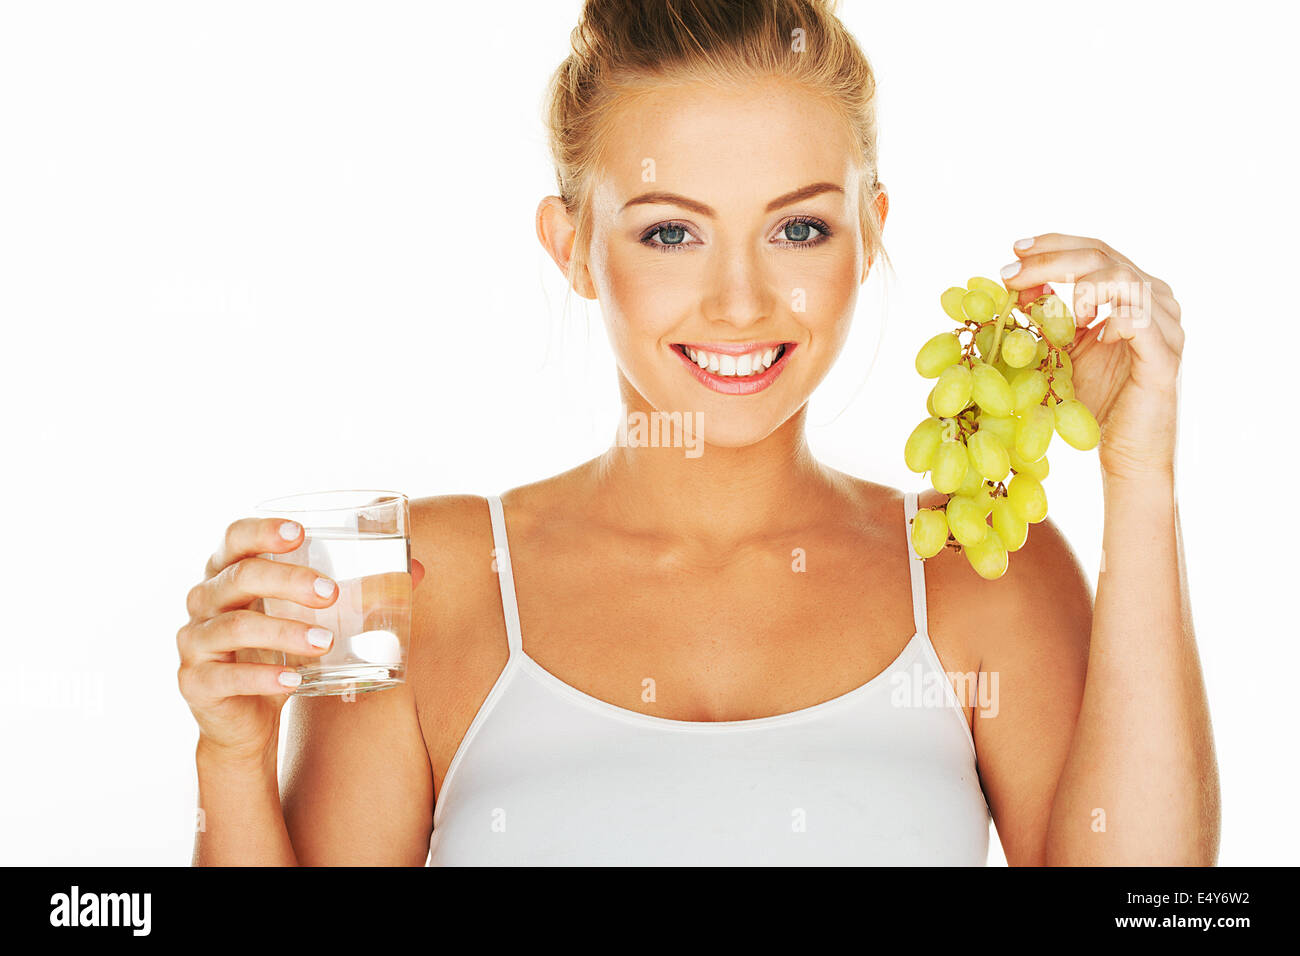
{"x":360,"y":539}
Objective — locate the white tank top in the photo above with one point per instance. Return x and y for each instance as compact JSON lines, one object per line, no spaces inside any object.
{"x":549,"y":775}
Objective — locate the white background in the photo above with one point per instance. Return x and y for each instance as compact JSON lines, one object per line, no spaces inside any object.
{"x":248,"y":249}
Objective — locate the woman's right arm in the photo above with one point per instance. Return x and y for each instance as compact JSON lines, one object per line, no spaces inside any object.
{"x":240,"y":823}
{"x":359,"y":796}
{"x":236,"y":694}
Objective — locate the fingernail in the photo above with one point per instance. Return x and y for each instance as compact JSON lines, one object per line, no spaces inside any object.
{"x":289,"y":678}
{"x":319,"y":637}
{"x":324,"y":587}
{"x":1010,"y":269}
{"x":289,"y":530}
{"x":1024,"y":243}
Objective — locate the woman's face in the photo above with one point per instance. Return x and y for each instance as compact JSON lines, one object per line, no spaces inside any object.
{"x":726,"y":223}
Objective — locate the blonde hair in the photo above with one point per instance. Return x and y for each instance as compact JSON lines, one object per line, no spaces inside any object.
{"x":622,"y":48}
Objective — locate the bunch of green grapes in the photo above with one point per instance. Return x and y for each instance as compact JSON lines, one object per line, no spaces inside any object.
{"x":999,"y":397}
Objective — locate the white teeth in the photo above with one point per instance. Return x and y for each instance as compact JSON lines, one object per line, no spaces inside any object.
{"x":733,"y":365}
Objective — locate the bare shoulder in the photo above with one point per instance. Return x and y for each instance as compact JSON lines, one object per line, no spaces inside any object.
{"x":1044,"y":588}
{"x":444,"y":530}
{"x":451,"y":535}
{"x":1043,"y":603}
{"x":458,"y":644}
{"x":1043,"y":599}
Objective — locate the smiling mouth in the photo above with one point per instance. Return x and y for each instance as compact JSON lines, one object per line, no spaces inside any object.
{"x":735,"y":368}
{"x":750,"y":364}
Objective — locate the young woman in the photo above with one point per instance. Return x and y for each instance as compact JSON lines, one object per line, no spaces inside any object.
{"x":732,"y":656}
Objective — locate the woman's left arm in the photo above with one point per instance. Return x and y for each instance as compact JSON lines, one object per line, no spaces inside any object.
{"x":1139,"y":784}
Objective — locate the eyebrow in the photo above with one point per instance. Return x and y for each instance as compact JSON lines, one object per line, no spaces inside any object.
{"x":804,"y":192}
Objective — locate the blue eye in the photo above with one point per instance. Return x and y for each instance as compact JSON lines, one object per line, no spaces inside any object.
{"x":671,"y":234}
{"x":797,"y":232}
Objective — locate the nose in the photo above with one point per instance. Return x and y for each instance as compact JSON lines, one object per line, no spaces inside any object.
{"x":740,"y":294}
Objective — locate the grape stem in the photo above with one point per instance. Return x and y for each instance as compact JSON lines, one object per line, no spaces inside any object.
{"x":1054,"y":363}
{"x":997,"y":330}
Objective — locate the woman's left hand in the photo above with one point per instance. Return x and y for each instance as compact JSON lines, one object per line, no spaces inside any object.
{"x":1126,"y":366}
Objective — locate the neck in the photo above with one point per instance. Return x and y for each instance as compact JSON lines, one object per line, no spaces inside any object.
{"x":691,"y":491}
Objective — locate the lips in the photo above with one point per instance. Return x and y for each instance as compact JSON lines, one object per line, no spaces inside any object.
{"x":717,"y":354}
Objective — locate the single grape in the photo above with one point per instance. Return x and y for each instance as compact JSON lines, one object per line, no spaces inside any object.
{"x":966,"y":520}
{"x":929,"y":532}
{"x":937,"y":354}
{"x":1064,"y":360}
{"x":1034,"y":469}
{"x":1034,"y":432}
{"x":922,"y":444}
{"x":978,"y":306}
{"x":983,"y":493}
{"x":1058,"y":329}
{"x":1054,"y":306}
{"x":1076,"y":424}
{"x":1047,"y":308}
{"x":996,"y":292}
{"x":1063,"y":385}
{"x":991,"y":391}
{"x":951,"y":302}
{"x":1027,"y":496}
{"x":950,"y":464}
{"x":1019,"y":347}
{"x":1003,"y":426}
{"x":984,"y":341}
{"x":929,"y":403}
{"x":1041,"y":352}
{"x":1027,"y":389}
{"x":989,"y":557}
{"x":952,"y":391}
{"x":1012,"y":529}
{"x":988,"y":455}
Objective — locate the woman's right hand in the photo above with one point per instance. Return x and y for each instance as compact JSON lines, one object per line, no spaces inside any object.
{"x":237,"y":702}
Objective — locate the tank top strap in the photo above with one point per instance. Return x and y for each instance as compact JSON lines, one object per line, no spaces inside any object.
{"x":910,"y":499}
{"x":505,"y":575}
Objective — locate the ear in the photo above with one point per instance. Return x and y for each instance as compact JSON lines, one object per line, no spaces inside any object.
{"x":557,"y":234}
{"x":882,"y":210}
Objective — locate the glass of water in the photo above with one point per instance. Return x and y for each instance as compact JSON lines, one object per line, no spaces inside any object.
{"x":361,"y":540}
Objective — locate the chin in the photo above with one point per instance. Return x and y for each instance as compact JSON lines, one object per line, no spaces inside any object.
{"x":731,"y":429}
